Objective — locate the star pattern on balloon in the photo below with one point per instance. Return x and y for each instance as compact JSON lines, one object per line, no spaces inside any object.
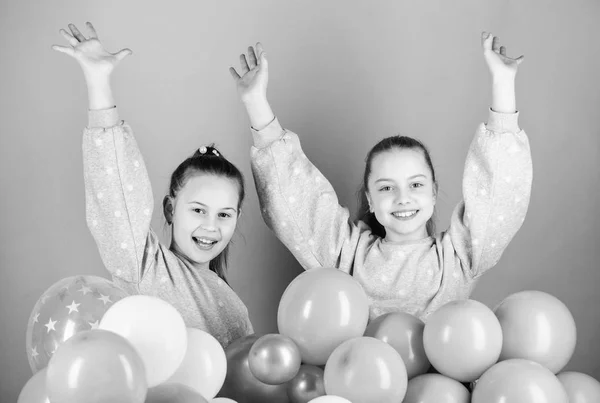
{"x":68,"y":307}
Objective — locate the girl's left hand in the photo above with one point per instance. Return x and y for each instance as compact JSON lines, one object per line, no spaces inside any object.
{"x":499,"y":64}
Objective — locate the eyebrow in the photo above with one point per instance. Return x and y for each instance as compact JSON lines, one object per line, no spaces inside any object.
{"x":391,"y":180}
{"x":204,"y":205}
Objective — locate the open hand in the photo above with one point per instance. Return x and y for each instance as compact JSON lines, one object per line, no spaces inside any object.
{"x":499,"y":64}
{"x":253,"y":77}
{"x":90,"y":53}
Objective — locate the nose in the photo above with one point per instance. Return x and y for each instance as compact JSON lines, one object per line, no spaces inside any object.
{"x":209,"y":223}
{"x":402,"y":197}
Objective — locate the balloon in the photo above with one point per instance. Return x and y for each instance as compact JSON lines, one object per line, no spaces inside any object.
{"x":174,"y":393}
{"x":581,"y":388}
{"x":222,"y":400}
{"x":34,"y":390}
{"x":274,"y":359}
{"x":330,"y":399}
{"x":308,"y":384}
{"x":96,"y":366}
{"x":320,"y":309}
{"x":462,"y":339}
{"x":204,"y":366}
{"x":404,"y":332}
{"x":366,"y":370}
{"x":240,"y":384}
{"x":67,"y":307}
{"x":538,"y":327}
{"x":156,"y":330}
{"x":518,"y":381}
{"x":436,"y":388}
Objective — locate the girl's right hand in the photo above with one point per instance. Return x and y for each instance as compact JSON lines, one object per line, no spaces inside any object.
{"x":254,"y":75}
{"x":90,"y":53}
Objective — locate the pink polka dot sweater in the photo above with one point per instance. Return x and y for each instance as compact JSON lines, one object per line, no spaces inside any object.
{"x":119,"y":206}
{"x":418,"y":277}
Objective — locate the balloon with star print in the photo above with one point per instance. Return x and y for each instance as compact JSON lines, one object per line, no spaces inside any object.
{"x":69,"y":306}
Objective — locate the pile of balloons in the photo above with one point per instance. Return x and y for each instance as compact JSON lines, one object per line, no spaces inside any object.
{"x":88,"y":341}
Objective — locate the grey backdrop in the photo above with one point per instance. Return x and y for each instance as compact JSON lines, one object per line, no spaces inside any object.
{"x":343,"y":75}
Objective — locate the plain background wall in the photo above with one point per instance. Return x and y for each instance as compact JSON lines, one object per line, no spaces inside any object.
{"x":343,"y":75}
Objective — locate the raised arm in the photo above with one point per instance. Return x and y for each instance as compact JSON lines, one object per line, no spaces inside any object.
{"x":118,"y":194}
{"x":297,"y":202}
{"x":498,"y":173}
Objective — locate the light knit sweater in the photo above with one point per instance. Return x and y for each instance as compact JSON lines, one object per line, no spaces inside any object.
{"x":119,"y":206}
{"x":416,"y":277}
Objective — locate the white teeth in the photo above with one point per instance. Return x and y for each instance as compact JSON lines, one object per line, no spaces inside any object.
{"x":405,"y":214}
{"x":205,"y":241}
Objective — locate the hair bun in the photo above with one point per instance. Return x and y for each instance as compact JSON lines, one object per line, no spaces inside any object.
{"x":207,"y":151}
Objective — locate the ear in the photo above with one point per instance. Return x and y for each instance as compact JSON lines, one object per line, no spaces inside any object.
{"x":435,"y":191}
{"x":369,"y":201}
{"x":168,"y":209}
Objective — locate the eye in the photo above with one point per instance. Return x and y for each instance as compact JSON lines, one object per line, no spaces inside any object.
{"x":385,"y":188}
{"x":199,"y":210}
{"x":417,"y":185}
{"x":224,"y":215}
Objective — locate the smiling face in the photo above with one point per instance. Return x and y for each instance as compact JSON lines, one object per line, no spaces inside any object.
{"x":204,"y":216}
{"x":401,"y":193}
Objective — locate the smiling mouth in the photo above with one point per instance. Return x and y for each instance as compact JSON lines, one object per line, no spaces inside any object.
{"x":405,"y":215}
{"x":204,"y":243}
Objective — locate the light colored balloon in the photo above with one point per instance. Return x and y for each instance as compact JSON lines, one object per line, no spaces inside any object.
{"x":436,"y":388}
{"x":204,"y":366}
{"x":518,"y":381}
{"x":581,"y":388}
{"x":537,"y":326}
{"x":462,"y":339}
{"x":320,"y":309}
{"x":155,"y":328}
{"x":96,"y":366}
{"x":173,"y":393}
{"x":69,"y":306}
{"x":34,"y":390}
{"x":404,"y":332}
{"x":274,"y":359}
{"x":366,"y":370}
{"x":222,"y":400}
{"x":330,"y":399}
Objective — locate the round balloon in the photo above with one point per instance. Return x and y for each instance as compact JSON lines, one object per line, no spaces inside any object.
{"x":330,"y":399}
{"x":69,"y":306}
{"x":274,"y":359}
{"x":308,"y":384}
{"x":174,"y":393}
{"x":581,"y":388}
{"x":34,"y":390}
{"x":222,"y":400}
{"x":240,"y":385}
{"x":320,"y":309}
{"x":156,"y":330}
{"x":204,"y":366}
{"x":404,"y":332}
{"x":538,"y":327}
{"x":518,"y":381}
{"x":436,"y":388}
{"x":366,"y":370}
{"x":462,"y":339}
{"x":96,"y":366}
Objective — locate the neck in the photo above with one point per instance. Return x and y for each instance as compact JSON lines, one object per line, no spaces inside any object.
{"x":197,"y":265}
{"x":391,"y":236}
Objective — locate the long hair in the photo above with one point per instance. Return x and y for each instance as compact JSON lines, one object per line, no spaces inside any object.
{"x":209,"y":160}
{"x":394,"y":142}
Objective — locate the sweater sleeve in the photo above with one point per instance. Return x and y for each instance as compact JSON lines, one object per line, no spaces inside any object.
{"x":299,"y":204}
{"x":496,"y":189}
{"x":118,"y":195}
